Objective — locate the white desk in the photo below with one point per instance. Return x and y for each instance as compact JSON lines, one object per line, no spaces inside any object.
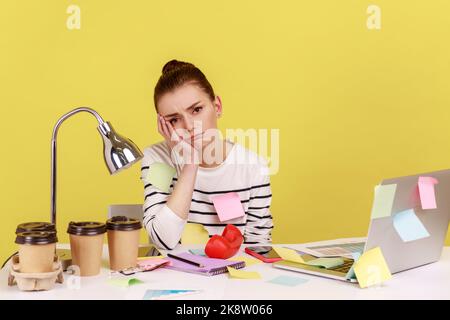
{"x":428,"y":282}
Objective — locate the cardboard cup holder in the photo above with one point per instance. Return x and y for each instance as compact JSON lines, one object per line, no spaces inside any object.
{"x":35,"y":281}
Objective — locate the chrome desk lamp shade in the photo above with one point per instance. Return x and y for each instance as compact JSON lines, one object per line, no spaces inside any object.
{"x":119,"y":152}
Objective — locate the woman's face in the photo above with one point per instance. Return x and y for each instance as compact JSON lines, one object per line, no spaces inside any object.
{"x":189,"y":107}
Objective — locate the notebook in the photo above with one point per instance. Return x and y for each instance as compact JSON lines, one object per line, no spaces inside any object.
{"x":211,"y":267}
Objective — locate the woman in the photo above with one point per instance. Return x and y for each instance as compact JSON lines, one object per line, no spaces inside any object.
{"x":205,"y":164}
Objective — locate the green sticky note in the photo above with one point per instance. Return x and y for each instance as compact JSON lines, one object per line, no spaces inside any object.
{"x":326,"y":262}
{"x":383,"y":200}
{"x":160,"y":175}
{"x":124,"y":282}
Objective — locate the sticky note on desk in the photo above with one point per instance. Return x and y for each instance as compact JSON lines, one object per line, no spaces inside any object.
{"x":241,"y":274}
{"x":289,"y":254}
{"x":228,"y":206}
{"x":326,"y":263}
{"x":124,"y":282}
{"x":426,"y":192}
{"x":160,"y":176}
{"x":371,"y":268}
{"x":194,"y":233}
{"x":383,"y":199}
{"x":288,"y":281}
{"x":409,"y":227}
{"x":248,"y":261}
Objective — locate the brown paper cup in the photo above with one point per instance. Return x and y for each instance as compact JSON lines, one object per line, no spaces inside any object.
{"x":123,"y":249}
{"x":87,"y":253}
{"x":36,"y":258}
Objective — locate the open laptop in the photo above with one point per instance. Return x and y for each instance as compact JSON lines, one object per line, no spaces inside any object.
{"x":399,"y":255}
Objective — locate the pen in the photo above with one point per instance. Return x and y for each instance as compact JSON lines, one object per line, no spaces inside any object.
{"x":185,"y":260}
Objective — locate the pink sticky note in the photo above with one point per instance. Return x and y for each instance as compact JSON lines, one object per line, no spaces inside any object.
{"x":426,"y":191}
{"x":228,"y":206}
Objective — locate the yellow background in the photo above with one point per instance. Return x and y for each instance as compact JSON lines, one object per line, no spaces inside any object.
{"x":353,"y":105}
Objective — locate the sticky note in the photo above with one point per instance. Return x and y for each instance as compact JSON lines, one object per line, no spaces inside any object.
{"x":198,"y":252}
{"x":289,"y":254}
{"x":124,"y":282}
{"x":160,"y":176}
{"x":194,"y":233}
{"x":371,"y":268}
{"x":351,"y":273}
{"x":326,"y":262}
{"x":383,"y":199}
{"x":426,"y":192}
{"x":288,"y":281}
{"x":409,"y":227}
{"x":248,"y":261}
{"x":152,"y":294}
{"x":146,"y":258}
{"x":228,"y":206}
{"x":241,"y":274}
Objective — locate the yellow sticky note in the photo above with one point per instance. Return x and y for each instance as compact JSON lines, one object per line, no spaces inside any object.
{"x":289,"y":254}
{"x":240,"y":274}
{"x":371,"y":268}
{"x":248,"y":261}
{"x":194,"y":233}
{"x":146,"y":258}
{"x":160,"y":176}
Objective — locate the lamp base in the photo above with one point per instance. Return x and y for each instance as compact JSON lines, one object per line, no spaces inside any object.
{"x":65,"y":257}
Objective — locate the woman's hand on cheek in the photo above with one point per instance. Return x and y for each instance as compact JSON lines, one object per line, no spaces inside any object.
{"x":183,"y":150}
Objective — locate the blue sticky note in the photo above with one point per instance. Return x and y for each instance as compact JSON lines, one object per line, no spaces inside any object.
{"x":198,"y":252}
{"x":409,"y":227}
{"x":288,"y":281}
{"x":351,"y":273}
{"x":162,"y":294}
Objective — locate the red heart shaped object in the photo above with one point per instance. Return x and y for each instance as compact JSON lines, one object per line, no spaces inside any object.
{"x":226,"y":245}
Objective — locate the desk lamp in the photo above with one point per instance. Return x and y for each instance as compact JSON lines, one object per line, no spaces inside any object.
{"x":118,"y":151}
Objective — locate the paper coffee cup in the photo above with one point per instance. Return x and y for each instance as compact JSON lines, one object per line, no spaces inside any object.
{"x":123,"y":242}
{"x":36,"y":251}
{"x":86,"y":245}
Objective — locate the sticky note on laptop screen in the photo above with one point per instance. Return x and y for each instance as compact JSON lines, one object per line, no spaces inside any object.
{"x":409,"y":227}
{"x":228,"y":206}
{"x":426,"y":192}
{"x":160,"y":176}
{"x":383,"y":199}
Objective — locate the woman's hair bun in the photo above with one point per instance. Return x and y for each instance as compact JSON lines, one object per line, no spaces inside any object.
{"x":175,"y":64}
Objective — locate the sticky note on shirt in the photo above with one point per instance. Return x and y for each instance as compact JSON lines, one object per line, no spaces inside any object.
{"x":326,"y":263}
{"x":241,"y":274}
{"x":288,"y":254}
{"x":288,"y":281}
{"x":194,"y":233}
{"x":124,"y":282}
{"x":383,"y":199}
{"x":426,"y":192}
{"x":371,"y":268}
{"x":160,"y":176}
{"x":409,"y":227}
{"x":248,"y":261}
{"x":228,"y":206}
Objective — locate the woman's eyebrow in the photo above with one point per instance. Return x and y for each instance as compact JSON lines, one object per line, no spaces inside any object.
{"x":188,"y":108}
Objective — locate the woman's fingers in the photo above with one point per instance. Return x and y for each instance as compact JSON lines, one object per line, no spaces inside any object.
{"x":171,"y":132}
{"x":160,"y":125}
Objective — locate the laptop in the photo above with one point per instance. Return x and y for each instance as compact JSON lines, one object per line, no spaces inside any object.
{"x":399,"y":255}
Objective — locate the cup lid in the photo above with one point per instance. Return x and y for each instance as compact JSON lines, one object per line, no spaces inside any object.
{"x":122,"y":223}
{"x":36,"y":237}
{"x":35,"y":226}
{"x":86,"y":228}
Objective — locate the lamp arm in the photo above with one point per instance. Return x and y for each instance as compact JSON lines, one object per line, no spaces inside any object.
{"x":53,"y":153}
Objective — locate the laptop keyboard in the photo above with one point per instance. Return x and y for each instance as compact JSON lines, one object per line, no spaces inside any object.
{"x":344,"y":268}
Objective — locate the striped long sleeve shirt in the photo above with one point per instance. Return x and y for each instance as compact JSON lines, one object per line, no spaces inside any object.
{"x":243,"y":172}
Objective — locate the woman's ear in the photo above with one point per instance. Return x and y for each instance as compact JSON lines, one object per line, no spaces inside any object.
{"x":218,"y":106}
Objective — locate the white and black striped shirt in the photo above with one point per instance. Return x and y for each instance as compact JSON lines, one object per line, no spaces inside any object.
{"x":243,"y":172}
